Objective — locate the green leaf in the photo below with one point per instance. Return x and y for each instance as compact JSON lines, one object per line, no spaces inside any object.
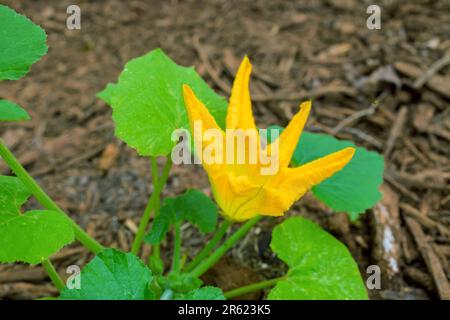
{"x":13,"y":194}
{"x":112,"y":275}
{"x":160,"y":227}
{"x":33,"y":236}
{"x":22,"y":43}
{"x":193,"y":206}
{"x":30,"y":237}
{"x":320,"y":267}
{"x":148,"y":104}
{"x":9,"y":111}
{"x":353,"y":189}
{"x":205,"y":293}
{"x":106,"y":94}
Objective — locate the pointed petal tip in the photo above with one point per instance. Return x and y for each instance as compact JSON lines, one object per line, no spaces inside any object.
{"x":306,"y":106}
{"x":346,"y":154}
{"x":246,"y":65}
{"x":189,"y":97}
{"x":349,"y":152}
{"x":186,"y":88}
{"x":304,"y":110}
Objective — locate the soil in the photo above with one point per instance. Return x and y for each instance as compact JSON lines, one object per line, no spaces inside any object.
{"x":387,"y":90}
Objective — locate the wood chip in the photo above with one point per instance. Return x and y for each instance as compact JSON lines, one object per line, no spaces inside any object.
{"x":123,"y":242}
{"x":435,"y":67}
{"x":386,"y":241}
{"x":108,"y":157}
{"x":419,"y":277}
{"x":424,"y":220}
{"x":431,"y":259}
{"x":24,"y":290}
{"x":312,"y":94}
{"x":436,"y":83}
{"x":17,"y":275}
{"x":131,"y":225}
{"x":396,"y":130}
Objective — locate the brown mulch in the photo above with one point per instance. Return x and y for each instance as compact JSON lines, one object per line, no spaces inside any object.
{"x":387,"y":90}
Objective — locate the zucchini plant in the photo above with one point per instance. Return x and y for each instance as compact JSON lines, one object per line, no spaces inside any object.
{"x":254,"y":174}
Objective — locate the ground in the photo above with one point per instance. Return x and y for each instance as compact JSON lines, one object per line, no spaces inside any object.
{"x":387,"y":90}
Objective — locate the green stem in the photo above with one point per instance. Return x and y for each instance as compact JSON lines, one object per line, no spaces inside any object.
{"x":45,"y":200}
{"x":252,"y":287}
{"x":216,"y":255}
{"x":177,"y":248}
{"x":53,"y":274}
{"x":154,"y":164}
{"x":156,"y":250}
{"x":167,"y":295}
{"x":152,"y":202}
{"x":211,"y":245}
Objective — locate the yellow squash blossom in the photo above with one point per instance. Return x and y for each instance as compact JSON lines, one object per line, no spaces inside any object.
{"x":241,"y":190}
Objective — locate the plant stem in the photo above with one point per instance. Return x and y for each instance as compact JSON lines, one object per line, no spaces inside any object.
{"x":216,"y":255}
{"x":154,"y":164}
{"x":167,"y":295}
{"x":44,"y":199}
{"x":251,"y":288}
{"x":156,"y":250}
{"x":53,"y":274}
{"x":150,"y":206}
{"x":211,"y":245}
{"x":143,"y":223}
{"x":177,"y":248}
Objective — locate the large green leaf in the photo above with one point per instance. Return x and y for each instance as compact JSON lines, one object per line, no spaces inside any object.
{"x":22,"y":43}
{"x":193,"y":206}
{"x":148,"y":104}
{"x":9,"y":111}
{"x":13,"y":194}
{"x":33,"y":236}
{"x":204,"y":293}
{"x":320,"y":267}
{"x":353,"y":189}
{"x":112,"y":275}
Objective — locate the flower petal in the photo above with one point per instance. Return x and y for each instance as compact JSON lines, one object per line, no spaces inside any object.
{"x":200,"y":120}
{"x":197,"y":111}
{"x":240,"y":107}
{"x":263,"y":201}
{"x":291,"y":135}
{"x":299,"y":180}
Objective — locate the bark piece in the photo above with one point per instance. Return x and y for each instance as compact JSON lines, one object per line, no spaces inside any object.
{"x":431,"y":259}
{"x":386,"y":241}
